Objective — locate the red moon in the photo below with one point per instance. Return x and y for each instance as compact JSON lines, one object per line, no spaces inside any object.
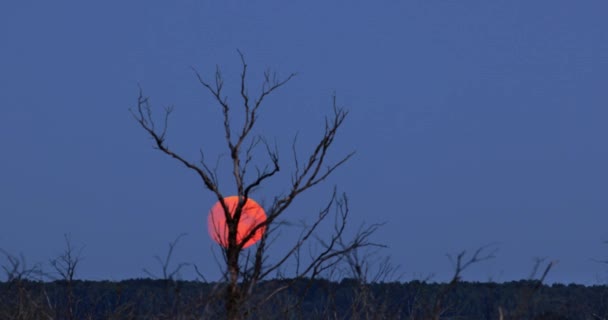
{"x":251,"y":215}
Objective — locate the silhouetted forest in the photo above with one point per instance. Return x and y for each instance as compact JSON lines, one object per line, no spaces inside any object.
{"x":301,"y":299}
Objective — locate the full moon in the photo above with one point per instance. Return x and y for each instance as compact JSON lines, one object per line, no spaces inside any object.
{"x":251,"y":215}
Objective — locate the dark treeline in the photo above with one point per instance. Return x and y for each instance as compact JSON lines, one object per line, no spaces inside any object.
{"x":301,"y":299}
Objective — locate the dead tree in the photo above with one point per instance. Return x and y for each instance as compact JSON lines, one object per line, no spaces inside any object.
{"x":460,"y":264}
{"x":26,"y":297}
{"x":65,"y":265}
{"x":242,"y":273}
{"x":526,"y":296}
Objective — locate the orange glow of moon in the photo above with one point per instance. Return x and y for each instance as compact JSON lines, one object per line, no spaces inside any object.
{"x":251,"y":215}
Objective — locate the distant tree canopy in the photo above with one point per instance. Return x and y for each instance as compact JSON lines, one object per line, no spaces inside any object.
{"x":305,"y":299}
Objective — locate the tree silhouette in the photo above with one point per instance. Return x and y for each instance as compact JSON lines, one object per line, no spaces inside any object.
{"x":243,"y":271}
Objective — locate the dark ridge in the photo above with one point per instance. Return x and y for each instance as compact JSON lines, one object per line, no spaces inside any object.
{"x":301,"y":299}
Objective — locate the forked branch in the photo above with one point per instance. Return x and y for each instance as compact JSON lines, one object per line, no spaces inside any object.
{"x":143,"y":116}
{"x":460,"y":264}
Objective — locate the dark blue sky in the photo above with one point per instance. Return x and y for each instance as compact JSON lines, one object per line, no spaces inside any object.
{"x":474,"y":122}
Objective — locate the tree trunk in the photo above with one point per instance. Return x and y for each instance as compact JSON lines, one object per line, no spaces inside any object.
{"x":233,"y":292}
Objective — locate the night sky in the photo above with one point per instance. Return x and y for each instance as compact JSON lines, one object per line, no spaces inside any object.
{"x":473,"y":122}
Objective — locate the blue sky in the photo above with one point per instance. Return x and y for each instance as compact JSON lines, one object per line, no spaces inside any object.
{"x":473,"y":122}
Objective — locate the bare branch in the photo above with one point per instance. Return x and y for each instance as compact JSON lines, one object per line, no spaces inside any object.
{"x":528,"y":294}
{"x":460,"y":265}
{"x":165,"y":263}
{"x":311,"y":171}
{"x":67,"y":262}
{"x":17,"y":269}
{"x":303,"y":237}
{"x":143,"y":115}
{"x":217,"y":94}
{"x":265,"y":174}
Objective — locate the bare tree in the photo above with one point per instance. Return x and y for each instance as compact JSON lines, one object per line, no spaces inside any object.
{"x":26,"y":297}
{"x":459,"y":263}
{"x":170,"y":277}
{"x":242,"y":273}
{"x":65,"y":265}
{"x":526,"y":296}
